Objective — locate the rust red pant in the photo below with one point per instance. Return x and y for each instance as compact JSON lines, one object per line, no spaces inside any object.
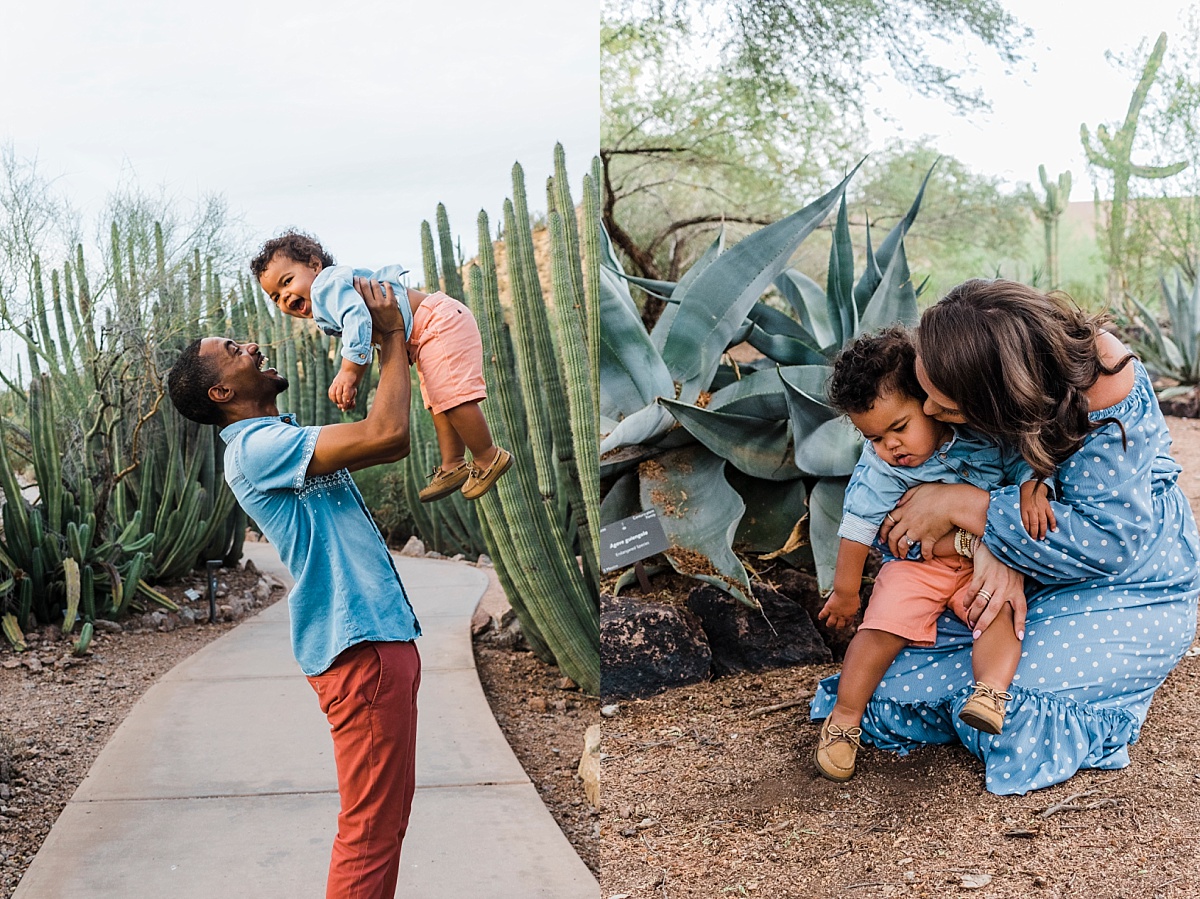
{"x":369,"y":695}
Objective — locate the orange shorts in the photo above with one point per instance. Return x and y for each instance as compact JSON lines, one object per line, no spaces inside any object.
{"x":909,"y":597}
{"x":446,"y":347}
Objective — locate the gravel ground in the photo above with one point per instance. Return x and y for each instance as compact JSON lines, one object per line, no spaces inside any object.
{"x":58,"y":711}
{"x":709,"y":794}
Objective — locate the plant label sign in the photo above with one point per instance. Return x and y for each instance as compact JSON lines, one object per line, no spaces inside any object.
{"x":630,"y":540}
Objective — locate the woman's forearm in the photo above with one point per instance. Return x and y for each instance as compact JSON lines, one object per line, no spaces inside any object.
{"x":968,"y":507}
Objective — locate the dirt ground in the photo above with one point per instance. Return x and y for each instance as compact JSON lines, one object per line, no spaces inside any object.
{"x":708,"y":791}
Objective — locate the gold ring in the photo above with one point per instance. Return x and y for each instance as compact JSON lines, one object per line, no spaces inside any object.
{"x":889,"y":518}
{"x":984,"y":593}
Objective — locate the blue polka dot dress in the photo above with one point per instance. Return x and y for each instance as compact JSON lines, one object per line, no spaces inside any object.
{"x":1112,"y":608}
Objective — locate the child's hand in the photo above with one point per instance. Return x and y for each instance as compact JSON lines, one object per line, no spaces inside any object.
{"x":839,"y":610}
{"x":1036,"y":512}
{"x":343,"y":390}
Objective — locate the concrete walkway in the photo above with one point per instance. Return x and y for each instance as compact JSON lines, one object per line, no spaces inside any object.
{"x":220,"y":784}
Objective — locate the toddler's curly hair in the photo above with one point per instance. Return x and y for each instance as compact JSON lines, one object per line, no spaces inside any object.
{"x":293,"y":244}
{"x":874,"y":365}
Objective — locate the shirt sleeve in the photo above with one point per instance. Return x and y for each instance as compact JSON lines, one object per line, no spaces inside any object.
{"x":1101,"y":525}
{"x":873,"y":491}
{"x":277,"y":457}
{"x":1016,"y":469}
{"x":334,"y":297}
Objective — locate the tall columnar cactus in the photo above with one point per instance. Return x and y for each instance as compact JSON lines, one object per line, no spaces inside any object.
{"x":454,"y":284}
{"x":547,"y":589}
{"x":1048,"y":212}
{"x":1115,"y":152}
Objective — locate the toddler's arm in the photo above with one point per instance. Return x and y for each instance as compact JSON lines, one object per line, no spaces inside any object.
{"x":1036,"y":512}
{"x":344,"y":389}
{"x":843,"y":603}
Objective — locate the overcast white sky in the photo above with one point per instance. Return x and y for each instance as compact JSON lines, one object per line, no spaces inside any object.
{"x":350,"y":120}
{"x":1038,"y":108}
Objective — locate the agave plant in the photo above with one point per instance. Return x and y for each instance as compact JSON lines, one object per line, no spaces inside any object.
{"x":749,"y":455}
{"x":1174,"y":353}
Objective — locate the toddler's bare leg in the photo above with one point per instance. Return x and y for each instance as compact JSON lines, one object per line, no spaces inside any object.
{"x":450,"y":445}
{"x":867,"y":659}
{"x":996,"y":653}
{"x":471,"y":429}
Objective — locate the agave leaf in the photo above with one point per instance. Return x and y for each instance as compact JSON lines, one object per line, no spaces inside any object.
{"x":758,"y":394}
{"x":660,"y":290}
{"x":772,"y":510}
{"x":700,"y":513}
{"x":722,"y":295}
{"x":839,"y":290}
{"x":621,"y":501}
{"x":811,"y":380}
{"x":826,"y":444}
{"x":831,"y":450}
{"x":629,"y":577}
{"x":871,"y":276}
{"x":808,"y":301}
{"x":775,"y":322}
{"x":783,"y":350}
{"x":632,"y":373}
{"x":1161,"y":348}
{"x":1191,"y":350}
{"x":824,"y":519}
{"x":646,"y":425}
{"x":894,"y":299}
{"x":757,"y":447}
{"x":662,"y":327}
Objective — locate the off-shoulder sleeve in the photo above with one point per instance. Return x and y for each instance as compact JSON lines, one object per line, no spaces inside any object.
{"x":1104,"y":504}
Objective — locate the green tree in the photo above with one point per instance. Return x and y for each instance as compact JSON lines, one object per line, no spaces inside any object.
{"x":730,"y":113}
{"x":969,"y":224}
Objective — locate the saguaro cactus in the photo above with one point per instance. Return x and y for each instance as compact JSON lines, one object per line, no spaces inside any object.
{"x":1115,"y":153}
{"x":1048,"y":212}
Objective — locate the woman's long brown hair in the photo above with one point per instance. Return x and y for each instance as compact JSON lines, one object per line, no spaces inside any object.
{"x":1017,"y":363}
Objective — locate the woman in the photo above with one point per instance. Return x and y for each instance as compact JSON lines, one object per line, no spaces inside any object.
{"x":1106,"y":604}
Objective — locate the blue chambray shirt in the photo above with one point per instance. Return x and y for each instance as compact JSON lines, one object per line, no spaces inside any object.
{"x":340,"y":311}
{"x":875,"y":487}
{"x":347,"y":589}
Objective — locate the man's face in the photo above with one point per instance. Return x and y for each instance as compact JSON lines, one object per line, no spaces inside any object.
{"x":242,"y":368}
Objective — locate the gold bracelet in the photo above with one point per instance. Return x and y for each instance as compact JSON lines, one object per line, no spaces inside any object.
{"x":965,"y":543}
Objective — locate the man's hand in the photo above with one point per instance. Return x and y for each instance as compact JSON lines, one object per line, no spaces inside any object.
{"x":839,"y":610}
{"x":381,"y":303}
{"x":1036,"y":512}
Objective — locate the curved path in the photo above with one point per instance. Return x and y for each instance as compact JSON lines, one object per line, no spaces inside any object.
{"x":220,"y":783}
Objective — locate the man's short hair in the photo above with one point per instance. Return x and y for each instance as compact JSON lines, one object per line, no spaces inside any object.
{"x":188,"y":382}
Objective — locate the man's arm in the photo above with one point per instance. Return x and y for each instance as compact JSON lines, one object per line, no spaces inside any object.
{"x":383,"y":435}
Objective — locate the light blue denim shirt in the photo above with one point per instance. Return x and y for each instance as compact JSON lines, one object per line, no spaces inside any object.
{"x":347,"y":589}
{"x":967,"y":457}
{"x":340,"y":311}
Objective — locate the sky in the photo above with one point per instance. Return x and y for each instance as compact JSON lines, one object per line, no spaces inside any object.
{"x":350,"y":120}
{"x":1037,"y":108}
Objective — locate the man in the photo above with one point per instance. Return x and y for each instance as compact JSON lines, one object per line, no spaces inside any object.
{"x":352,"y":624}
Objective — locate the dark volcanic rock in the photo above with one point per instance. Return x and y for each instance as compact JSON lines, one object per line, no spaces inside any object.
{"x":646,"y":647}
{"x":743,"y":639}
{"x":801,"y":587}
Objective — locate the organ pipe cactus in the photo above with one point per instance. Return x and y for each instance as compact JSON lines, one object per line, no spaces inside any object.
{"x":1048,"y":212}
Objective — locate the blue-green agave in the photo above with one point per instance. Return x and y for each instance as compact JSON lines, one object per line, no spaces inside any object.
{"x":748,"y":455}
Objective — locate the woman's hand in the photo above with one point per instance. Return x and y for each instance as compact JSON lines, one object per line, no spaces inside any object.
{"x":995,"y":584}
{"x":923,"y":516}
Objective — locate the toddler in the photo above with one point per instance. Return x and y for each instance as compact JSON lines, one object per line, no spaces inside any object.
{"x":875,"y":385}
{"x":443,"y":340}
